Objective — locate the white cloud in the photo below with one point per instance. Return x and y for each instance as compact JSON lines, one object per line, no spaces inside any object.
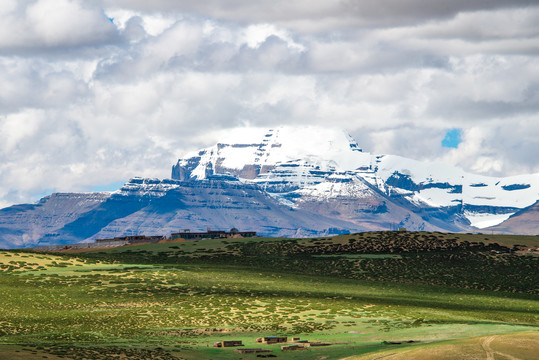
{"x":18,"y":128}
{"x":85,"y":101}
{"x":255,"y":35}
{"x":52,"y":24}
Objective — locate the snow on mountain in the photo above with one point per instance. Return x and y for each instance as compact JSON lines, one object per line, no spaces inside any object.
{"x":486,"y":201}
{"x":138,"y":186}
{"x":295,"y":163}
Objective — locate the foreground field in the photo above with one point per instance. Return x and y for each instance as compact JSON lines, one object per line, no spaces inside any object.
{"x":174,"y":300}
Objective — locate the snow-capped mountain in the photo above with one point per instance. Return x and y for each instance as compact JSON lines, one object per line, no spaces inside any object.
{"x":296,"y":165}
{"x":288,"y":181}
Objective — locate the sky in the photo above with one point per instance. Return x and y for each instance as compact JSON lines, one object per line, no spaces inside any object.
{"x":93,"y":93}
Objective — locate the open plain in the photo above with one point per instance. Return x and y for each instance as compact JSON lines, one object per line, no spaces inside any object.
{"x":394,"y":295}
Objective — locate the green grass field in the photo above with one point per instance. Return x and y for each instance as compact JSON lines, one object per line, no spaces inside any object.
{"x":174,"y":300}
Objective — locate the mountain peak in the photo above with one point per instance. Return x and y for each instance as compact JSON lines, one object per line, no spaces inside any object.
{"x":248,"y":152}
{"x":305,"y":135}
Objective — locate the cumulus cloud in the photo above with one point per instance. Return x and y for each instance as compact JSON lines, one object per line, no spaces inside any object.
{"x":47,"y":24}
{"x":96,"y":92}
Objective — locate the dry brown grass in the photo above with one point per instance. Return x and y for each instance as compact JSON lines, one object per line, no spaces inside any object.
{"x":32,"y":261}
{"x":519,"y":346}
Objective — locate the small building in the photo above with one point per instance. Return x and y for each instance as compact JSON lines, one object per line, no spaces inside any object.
{"x":314,"y":344}
{"x":251,"y":351}
{"x":131,"y":239}
{"x":272,"y":339}
{"x":292,"y":347}
{"x":228,"y":343}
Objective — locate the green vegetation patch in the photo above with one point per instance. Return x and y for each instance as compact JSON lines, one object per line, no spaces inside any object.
{"x":359,"y":293}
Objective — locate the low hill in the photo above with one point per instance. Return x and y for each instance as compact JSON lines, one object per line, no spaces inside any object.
{"x":391,"y":256}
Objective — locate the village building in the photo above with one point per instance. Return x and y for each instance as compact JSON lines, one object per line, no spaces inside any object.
{"x":228,"y":343}
{"x":294,"y":347}
{"x":131,"y":239}
{"x":314,"y":344}
{"x":272,"y":339}
{"x":185,"y":234}
{"x":251,"y":351}
{"x":211,"y":234}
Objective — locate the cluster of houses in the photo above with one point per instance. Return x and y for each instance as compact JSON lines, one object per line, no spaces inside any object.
{"x":185,"y":234}
{"x":295,"y":344}
{"x":211,"y":234}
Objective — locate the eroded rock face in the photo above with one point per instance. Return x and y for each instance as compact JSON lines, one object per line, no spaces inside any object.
{"x":160,"y":207}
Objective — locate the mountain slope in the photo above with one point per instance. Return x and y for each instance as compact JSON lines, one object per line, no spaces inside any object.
{"x":218,"y":205}
{"x":287,"y":181}
{"x":30,"y":224}
{"x":525,"y":221}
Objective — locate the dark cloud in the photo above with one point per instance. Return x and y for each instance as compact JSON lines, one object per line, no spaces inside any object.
{"x":322,"y":15}
{"x":395,"y":12}
{"x":134,"y":29}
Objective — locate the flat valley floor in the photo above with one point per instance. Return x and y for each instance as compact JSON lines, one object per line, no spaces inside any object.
{"x":380,"y":295}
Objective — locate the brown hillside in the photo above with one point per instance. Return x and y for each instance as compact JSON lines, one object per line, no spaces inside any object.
{"x":525,"y":222}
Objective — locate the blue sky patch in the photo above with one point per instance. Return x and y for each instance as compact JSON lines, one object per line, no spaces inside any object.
{"x":108,"y":187}
{"x":452,"y":138}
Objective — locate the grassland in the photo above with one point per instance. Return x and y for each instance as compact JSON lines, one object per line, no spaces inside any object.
{"x":368,"y":295}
